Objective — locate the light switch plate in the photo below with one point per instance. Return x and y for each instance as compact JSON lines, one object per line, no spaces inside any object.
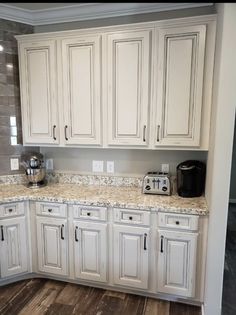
{"x":97,"y":166}
{"x":110,"y":166}
{"x":14,"y":164}
{"x":165,"y":168}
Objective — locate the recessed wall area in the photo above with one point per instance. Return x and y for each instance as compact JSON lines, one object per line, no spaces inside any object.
{"x":10,"y":112}
{"x":127,"y":161}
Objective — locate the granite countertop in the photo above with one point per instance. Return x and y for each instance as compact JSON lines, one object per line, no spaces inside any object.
{"x":123,"y":197}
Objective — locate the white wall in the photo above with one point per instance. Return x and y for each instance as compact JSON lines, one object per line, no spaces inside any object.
{"x":127,"y":162}
{"x":220,"y":153}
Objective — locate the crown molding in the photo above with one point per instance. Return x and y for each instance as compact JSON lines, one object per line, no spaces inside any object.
{"x":87,"y":11}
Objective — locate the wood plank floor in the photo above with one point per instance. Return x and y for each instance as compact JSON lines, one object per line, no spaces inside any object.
{"x":49,"y":297}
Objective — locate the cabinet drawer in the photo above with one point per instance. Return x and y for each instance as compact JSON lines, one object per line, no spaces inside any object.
{"x":51,"y":209}
{"x":179,"y":221}
{"x":90,"y":213}
{"x":12,"y":209}
{"x":131,"y":216}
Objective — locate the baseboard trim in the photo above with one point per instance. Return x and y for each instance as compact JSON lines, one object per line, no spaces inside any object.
{"x":232,"y":200}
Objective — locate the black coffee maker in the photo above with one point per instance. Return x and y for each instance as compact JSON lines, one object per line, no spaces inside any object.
{"x":191,"y":176}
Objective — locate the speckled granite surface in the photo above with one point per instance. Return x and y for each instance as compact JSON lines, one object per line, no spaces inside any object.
{"x":123,"y":197}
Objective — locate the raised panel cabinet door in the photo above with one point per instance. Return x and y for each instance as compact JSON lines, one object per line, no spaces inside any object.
{"x":177,"y":263}
{"x":128,"y":76}
{"x":130,"y":257}
{"x":81,"y":75}
{"x":179,"y":86}
{"x":38,"y":70}
{"x":90,"y":251}
{"x":13,"y":247}
{"x":52,"y":242}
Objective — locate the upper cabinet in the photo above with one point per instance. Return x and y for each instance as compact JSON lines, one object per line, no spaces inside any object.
{"x":39,"y":92}
{"x":145,"y":85}
{"x":128,"y":72}
{"x":81,"y":89}
{"x":179,"y":86}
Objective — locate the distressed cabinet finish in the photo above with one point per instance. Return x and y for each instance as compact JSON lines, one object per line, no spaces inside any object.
{"x":39,"y":92}
{"x":131,"y":252}
{"x":177,"y":254}
{"x":52,"y":243}
{"x":13,"y":247}
{"x":128,"y":72}
{"x":81,"y":79}
{"x":179,"y":86}
{"x":90,"y":250}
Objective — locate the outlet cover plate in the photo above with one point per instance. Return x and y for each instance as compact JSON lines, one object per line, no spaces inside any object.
{"x":14,"y":164}
{"x":165,"y":168}
{"x":98,"y":166}
{"x":110,"y":166}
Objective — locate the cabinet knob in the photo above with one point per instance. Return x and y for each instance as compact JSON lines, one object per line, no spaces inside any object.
{"x":177,"y":222}
{"x":49,"y":210}
{"x":10,"y":210}
{"x":130,"y":218}
{"x":88,"y":214}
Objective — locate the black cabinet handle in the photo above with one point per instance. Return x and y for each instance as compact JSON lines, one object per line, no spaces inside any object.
{"x":2,"y":234}
{"x":177,"y":222}
{"x":62,"y":232}
{"x":66,"y":132}
{"x":10,"y":210}
{"x":162,"y":238}
{"x":54,"y":134}
{"x":158,"y":133}
{"x":145,"y":241}
{"x":144,"y":133}
{"x":88,"y":214}
{"x":76,"y":235}
{"x":130,"y":218}
{"x":49,"y":210}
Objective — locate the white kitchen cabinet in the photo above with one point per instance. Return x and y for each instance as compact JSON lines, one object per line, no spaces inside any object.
{"x":13,"y":246}
{"x":52,"y":244}
{"x":90,"y":250}
{"x":131,"y":256}
{"x":128,"y":78}
{"x":177,"y":262}
{"x":179,"y":86}
{"x":81,"y":81}
{"x":39,"y":92}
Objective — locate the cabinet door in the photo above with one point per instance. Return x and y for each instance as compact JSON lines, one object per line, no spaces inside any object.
{"x":128,"y":69}
{"x":13,"y":247}
{"x":177,"y":262}
{"x":90,"y":251}
{"x":52,"y":242}
{"x":39,"y":92}
{"x":179,"y":86}
{"x":130,"y":263}
{"x":81,"y":73}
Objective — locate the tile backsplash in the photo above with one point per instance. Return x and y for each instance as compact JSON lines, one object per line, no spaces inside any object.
{"x":10,"y":112}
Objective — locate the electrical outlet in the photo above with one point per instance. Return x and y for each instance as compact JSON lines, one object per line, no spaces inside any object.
{"x":49,"y":164}
{"x":110,"y":166}
{"x":165,"y":168}
{"x":14,"y":164}
{"x":97,"y":166}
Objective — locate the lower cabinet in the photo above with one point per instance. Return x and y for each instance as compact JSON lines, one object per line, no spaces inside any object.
{"x":177,"y":262}
{"x":90,"y":250}
{"x":52,"y":243}
{"x":13,"y":246}
{"x":130,"y":259}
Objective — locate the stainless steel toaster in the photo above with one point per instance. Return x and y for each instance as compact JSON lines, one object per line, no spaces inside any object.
{"x":156,"y":183}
